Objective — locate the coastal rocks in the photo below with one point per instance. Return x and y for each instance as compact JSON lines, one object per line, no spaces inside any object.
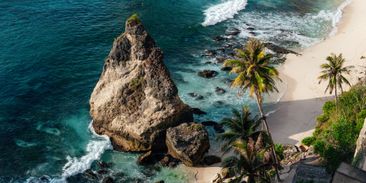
{"x":209,"y":53}
{"x":220,"y":91}
{"x":207,"y":73}
{"x":232,"y":32}
{"x":217,"y":127}
{"x":227,"y":69}
{"x":360,"y":152}
{"x":198,"y":111}
{"x":187,"y":142}
{"x":279,"y":49}
{"x":211,"y":159}
{"x":169,"y":161}
{"x":135,"y":100}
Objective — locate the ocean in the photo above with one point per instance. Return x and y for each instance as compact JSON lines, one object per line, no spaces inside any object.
{"x":52,"y":53}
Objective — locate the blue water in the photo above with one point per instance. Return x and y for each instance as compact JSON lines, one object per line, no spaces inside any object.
{"x":52,"y":52}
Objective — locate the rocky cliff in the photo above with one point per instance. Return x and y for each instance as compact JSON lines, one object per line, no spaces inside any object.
{"x":359,"y":159}
{"x":135,"y":100}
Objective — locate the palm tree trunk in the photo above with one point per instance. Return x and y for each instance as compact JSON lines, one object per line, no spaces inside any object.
{"x":251,"y":178}
{"x":273,"y":152}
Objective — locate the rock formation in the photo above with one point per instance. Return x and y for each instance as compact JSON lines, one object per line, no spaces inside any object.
{"x":360,"y":152}
{"x":135,"y":100}
{"x":188,"y":142}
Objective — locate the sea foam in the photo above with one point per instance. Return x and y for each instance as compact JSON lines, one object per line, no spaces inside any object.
{"x":95,"y":148}
{"x":223,"y":11}
{"x":333,"y":16}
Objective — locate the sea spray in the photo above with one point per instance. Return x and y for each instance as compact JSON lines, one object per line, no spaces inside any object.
{"x":333,"y":16}
{"x":223,"y":11}
{"x":95,"y":148}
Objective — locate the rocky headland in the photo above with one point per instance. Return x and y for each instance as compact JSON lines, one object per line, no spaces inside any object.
{"x":135,"y":102}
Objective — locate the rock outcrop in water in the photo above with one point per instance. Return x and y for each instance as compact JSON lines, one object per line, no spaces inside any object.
{"x":135,"y":100}
{"x":188,"y":142}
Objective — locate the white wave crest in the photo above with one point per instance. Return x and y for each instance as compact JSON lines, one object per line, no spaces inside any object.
{"x":94,"y":149}
{"x":333,"y":16}
{"x":223,"y":11}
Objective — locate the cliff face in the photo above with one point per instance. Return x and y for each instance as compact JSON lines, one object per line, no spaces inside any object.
{"x":359,"y":159}
{"x":135,"y":100}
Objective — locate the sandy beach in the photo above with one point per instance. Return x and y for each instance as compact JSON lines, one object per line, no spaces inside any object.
{"x":304,"y":97}
{"x":295,"y":114}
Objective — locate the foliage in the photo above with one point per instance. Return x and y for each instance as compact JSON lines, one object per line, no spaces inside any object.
{"x":257,"y":75}
{"x":279,"y":151}
{"x":250,"y":145}
{"x":308,"y":140}
{"x":134,"y":19}
{"x":338,"y":128}
{"x":136,"y":83}
{"x":334,"y":72}
{"x":255,"y":71}
{"x":241,"y":126}
{"x":253,"y":161}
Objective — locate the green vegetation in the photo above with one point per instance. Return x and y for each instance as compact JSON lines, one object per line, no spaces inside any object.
{"x":256,"y":74}
{"x":279,"y":151}
{"x":338,"y":127}
{"x":333,"y":72}
{"x":136,"y":83}
{"x":251,"y":147}
{"x":254,"y":161}
{"x":134,"y":19}
{"x":308,"y":141}
{"x":241,"y":126}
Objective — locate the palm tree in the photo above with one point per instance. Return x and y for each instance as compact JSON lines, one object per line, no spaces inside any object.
{"x":241,"y":126}
{"x":333,"y":72}
{"x":257,"y":75}
{"x":253,"y":161}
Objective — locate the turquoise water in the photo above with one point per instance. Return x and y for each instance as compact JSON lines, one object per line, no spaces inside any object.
{"x":52,"y":52}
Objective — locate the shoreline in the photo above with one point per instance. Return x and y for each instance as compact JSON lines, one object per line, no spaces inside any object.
{"x":296,"y":113}
{"x":303,"y":98}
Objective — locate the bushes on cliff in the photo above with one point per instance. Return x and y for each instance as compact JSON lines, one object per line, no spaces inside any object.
{"x":338,"y":127}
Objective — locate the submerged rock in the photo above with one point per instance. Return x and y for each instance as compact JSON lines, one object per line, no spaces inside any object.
{"x":207,"y":73}
{"x":216,"y":126}
{"x":232,"y":32}
{"x":135,"y":100}
{"x":198,"y":111}
{"x":188,"y":142}
{"x":220,"y":91}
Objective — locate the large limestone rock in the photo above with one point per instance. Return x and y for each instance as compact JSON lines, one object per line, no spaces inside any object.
{"x":360,"y":152}
{"x":188,"y":142}
{"x":135,"y":100}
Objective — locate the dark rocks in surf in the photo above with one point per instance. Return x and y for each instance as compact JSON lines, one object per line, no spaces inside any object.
{"x":207,"y":73}
{"x":210,"y":160}
{"x":232,"y":32}
{"x":209,"y":53}
{"x":216,"y":126}
{"x":198,"y":111}
{"x":226,"y":69}
{"x":220,"y":91}
{"x":278,"y":49}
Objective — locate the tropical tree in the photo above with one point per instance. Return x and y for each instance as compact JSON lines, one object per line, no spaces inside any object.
{"x":241,"y":126}
{"x":255,"y":74}
{"x":334,"y":72}
{"x":253,"y":161}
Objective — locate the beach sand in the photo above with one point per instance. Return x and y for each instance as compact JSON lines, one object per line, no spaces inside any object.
{"x":295,"y":116}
